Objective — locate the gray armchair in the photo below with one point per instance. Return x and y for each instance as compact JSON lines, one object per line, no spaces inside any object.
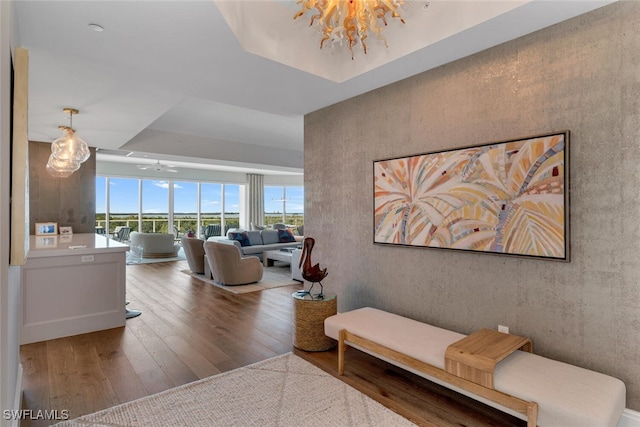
{"x":121,"y":234}
{"x":229,"y":267}
{"x":212,"y":230}
{"x":194,"y":251}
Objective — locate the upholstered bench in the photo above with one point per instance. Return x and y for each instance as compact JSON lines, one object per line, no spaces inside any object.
{"x":542,"y":391}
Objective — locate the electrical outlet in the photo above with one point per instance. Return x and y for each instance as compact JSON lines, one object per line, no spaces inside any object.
{"x":503,"y":329}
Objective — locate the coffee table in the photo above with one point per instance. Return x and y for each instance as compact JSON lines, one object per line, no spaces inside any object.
{"x":277,"y":255}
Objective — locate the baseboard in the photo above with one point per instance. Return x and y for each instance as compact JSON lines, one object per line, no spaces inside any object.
{"x":629,"y":418}
{"x":17,"y":401}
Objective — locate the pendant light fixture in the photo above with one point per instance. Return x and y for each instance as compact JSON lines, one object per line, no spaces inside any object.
{"x":68,"y":151}
{"x":61,"y":169}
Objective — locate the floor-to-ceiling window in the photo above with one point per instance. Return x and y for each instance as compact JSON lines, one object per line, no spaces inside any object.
{"x":211,"y":208}
{"x":185,"y":207}
{"x":168,"y":206}
{"x":231,"y":206}
{"x":101,"y":205}
{"x":155,"y":206}
{"x":284,"y":204}
{"x":123,"y":204}
{"x":294,"y":205}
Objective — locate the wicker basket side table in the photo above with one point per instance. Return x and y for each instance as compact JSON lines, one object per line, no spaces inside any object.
{"x":308,"y":321}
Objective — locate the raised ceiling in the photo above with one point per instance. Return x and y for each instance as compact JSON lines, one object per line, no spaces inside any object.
{"x":226,"y":84}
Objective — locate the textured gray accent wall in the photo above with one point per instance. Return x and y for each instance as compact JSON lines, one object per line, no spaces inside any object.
{"x":68,"y":201}
{"x":582,"y":75}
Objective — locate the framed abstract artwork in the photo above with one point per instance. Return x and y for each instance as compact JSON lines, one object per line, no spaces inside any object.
{"x":508,"y":197}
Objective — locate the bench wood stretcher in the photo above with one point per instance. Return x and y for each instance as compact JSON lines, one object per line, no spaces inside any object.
{"x":529,"y":409}
{"x":542,"y":391}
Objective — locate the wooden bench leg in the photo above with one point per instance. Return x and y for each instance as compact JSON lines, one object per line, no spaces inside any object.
{"x":341,"y":349}
{"x":532,"y":414}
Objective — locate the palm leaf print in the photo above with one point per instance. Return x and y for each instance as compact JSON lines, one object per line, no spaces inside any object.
{"x":506,"y":197}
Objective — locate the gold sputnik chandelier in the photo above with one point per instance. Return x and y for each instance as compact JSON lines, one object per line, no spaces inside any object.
{"x":352,"y":20}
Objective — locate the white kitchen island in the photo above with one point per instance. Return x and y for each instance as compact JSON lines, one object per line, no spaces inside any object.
{"x":72,"y":284}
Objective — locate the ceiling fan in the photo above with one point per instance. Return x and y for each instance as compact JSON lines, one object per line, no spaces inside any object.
{"x":158,"y":167}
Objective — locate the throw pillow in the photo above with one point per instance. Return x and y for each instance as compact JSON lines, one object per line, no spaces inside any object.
{"x":286,"y":236}
{"x":255,"y":238}
{"x":234,"y":230}
{"x":240,"y":237}
{"x":269,"y":237}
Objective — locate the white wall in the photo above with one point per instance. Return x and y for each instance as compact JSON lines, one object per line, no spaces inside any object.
{"x":128,"y":170}
{"x":9,"y":277}
{"x":288,"y":180}
{"x":187,"y":174}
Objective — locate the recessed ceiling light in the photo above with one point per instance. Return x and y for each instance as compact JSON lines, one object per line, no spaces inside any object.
{"x":96,"y":27}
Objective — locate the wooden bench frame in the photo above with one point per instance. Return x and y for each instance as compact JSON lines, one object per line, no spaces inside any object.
{"x":529,"y":409}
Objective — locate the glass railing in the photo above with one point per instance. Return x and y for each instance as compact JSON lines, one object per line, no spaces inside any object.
{"x":159,"y":223}
{"x":291,"y":220}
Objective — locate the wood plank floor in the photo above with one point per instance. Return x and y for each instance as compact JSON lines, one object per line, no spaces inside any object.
{"x":418,"y":399}
{"x":191,"y":330}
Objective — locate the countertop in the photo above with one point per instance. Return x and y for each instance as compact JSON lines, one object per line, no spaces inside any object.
{"x":72,"y":244}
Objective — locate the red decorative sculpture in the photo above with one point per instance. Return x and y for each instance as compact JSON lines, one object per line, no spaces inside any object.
{"x":313,"y":274}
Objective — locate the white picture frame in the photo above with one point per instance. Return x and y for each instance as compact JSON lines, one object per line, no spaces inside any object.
{"x":46,"y":228}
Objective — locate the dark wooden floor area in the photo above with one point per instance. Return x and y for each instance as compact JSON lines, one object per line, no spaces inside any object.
{"x":421,"y":401}
{"x":191,"y":330}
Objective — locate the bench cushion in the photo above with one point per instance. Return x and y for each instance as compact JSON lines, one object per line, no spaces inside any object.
{"x":428,"y":343}
{"x":567,"y":395}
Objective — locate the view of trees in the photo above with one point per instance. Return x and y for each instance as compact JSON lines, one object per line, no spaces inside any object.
{"x":160,"y":224}
{"x":126,"y":196}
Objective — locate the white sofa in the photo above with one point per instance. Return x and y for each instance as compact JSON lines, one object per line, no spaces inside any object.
{"x":155,"y":245}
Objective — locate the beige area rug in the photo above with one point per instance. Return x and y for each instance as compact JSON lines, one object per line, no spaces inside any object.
{"x":285,"y":391}
{"x":272,"y":277}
